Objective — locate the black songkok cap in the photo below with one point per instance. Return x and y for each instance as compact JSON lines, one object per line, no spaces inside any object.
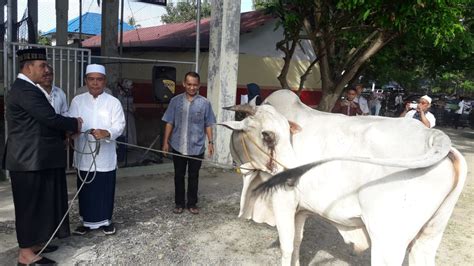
{"x":31,"y":54}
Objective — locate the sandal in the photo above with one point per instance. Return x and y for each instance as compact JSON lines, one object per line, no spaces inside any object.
{"x":193,"y":210}
{"x":178,"y":210}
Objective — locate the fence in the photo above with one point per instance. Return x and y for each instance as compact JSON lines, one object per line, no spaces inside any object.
{"x":68,"y":65}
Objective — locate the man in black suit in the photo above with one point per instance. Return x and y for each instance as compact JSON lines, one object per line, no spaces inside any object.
{"x":34,"y":155}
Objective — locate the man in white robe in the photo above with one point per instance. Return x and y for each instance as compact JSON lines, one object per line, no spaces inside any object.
{"x":104,"y":120}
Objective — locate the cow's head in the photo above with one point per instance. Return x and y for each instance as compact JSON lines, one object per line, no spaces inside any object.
{"x":263,"y":139}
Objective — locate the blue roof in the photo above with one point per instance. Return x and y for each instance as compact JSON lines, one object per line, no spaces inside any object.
{"x":91,"y":24}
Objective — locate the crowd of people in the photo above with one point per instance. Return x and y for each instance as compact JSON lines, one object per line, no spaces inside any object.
{"x":424,"y":108}
{"x":40,"y":123}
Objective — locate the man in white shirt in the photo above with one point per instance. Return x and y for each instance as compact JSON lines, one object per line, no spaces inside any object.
{"x":55,"y":96}
{"x":399,"y":103}
{"x":361,"y":100}
{"x":458,"y":112}
{"x":420,"y":112}
{"x":104,"y":120}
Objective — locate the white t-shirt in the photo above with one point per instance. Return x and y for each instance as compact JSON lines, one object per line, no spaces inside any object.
{"x":57,"y":99}
{"x":461,"y":107}
{"x":364,"y":106}
{"x":428,"y":115}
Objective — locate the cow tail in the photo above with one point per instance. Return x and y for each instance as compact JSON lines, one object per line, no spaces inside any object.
{"x":286,"y":178}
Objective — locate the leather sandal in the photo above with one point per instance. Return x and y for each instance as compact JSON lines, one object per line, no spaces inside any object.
{"x":42,"y":261}
{"x":178,"y":210}
{"x":193,"y":210}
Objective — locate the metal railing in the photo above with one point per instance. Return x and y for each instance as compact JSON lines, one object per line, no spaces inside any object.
{"x":68,"y":64}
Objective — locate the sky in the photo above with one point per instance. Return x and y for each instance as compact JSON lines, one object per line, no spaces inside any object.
{"x":145,"y":14}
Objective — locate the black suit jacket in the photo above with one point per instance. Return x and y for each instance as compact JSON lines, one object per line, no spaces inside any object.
{"x":35,"y":131}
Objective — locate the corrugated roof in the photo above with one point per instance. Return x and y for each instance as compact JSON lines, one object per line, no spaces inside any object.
{"x":179,"y":35}
{"x":91,"y":25}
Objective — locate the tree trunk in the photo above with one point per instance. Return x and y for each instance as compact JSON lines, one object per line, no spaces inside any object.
{"x":283,"y":46}
{"x":327,"y":101}
{"x":331,"y":91}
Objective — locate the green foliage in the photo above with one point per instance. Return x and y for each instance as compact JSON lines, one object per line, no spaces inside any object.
{"x":43,"y":40}
{"x":411,"y":60}
{"x":348,"y":34}
{"x":260,"y":4}
{"x":132,"y":22}
{"x":185,"y":11}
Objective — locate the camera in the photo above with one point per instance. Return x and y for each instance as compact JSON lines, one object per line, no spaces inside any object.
{"x":413,"y":105}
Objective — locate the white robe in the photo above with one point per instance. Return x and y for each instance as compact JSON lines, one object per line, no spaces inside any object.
{"x":104,"y":112}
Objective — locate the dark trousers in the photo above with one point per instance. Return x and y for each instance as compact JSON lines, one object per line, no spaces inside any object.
{"x":40,"y":200}
{"x":456,"y":118}
{"x":193,"y":166}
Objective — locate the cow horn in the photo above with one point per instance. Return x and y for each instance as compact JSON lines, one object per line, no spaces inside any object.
{"x":245,"y":108}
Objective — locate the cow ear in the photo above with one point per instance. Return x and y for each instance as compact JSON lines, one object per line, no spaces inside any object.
{"x":294,"y":128}
{"x":234,"y":125}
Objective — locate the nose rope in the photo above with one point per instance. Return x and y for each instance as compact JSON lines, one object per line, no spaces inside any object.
{"x":260,"y":149}
{"x":181,"y":155}
{"x":246,"y":151}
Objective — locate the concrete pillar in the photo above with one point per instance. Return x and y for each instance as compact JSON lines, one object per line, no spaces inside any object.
{"x":2,"y":19}
{"x":3,"y":31}
{"x":14,"y":9}
{"x":61,"y":22}
{"x":2,"y":84}
{"x":33,"y":25}
{"x":223,"y":69}
{"x":109,"y":46}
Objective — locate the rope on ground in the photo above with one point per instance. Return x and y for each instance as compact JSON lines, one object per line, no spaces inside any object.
{"x":94,"y":152}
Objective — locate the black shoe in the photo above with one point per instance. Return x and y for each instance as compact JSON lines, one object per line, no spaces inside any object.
{"x":48,"y":249}
{"x":81,"y":230}
{"x":42,"y":261}
{"x":108,"y":229}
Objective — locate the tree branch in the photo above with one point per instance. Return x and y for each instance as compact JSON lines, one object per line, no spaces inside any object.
{"x":380,"y":41}
{"x":353,"y":53}
{"x":305,"y":75}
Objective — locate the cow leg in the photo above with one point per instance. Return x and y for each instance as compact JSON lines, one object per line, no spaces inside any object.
{"x":423,"y":249}
{"x":284,"y":207}
{"x":299,"y":229}
{"x":425,"y":244}
{"x":387,"y":252}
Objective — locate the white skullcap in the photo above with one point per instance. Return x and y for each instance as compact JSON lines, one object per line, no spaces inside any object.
{"x":95,"y":68}
{"x":427,"y":98}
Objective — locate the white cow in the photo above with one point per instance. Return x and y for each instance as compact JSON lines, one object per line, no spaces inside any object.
{"x":375,"y":199}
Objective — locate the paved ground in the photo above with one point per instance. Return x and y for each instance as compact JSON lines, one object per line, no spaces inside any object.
{"x":148,"y":233}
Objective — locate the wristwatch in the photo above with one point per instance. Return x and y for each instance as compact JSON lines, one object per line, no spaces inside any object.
{"x":211,"y":142}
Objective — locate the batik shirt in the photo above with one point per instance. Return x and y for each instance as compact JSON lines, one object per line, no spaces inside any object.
{"x":190,"y":120}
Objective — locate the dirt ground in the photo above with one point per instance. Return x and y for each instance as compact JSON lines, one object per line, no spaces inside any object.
{"x":149,"y":233}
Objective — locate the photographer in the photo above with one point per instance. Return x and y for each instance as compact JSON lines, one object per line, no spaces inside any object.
{"x":347,"y":106}
{"x":420,"y":111}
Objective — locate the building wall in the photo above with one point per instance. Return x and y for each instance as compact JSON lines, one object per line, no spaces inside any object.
{"x":252,"y":69}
